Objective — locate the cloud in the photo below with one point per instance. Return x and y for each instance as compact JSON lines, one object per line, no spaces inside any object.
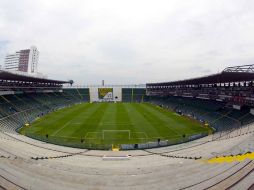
{"x":129,"y":41}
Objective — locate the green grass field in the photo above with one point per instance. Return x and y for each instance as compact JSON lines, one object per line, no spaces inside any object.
{"x":113,"y":123}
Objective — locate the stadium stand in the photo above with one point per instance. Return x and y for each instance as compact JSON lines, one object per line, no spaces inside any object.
{"x":133,"y":94}
{"x":18,"y":107}
{"x":26,"y":163}
{"x":218,"y":117}
{"x":223,"y":100}
{"x":76,"y":93}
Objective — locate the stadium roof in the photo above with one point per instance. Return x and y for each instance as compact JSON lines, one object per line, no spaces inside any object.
{"x":230,"y":74}
{"x":5,"y":75}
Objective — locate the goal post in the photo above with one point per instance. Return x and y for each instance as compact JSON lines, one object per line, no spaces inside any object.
{"x":116,"y":134}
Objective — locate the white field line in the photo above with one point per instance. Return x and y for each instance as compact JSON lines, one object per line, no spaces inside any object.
{"x":107,"y":122}
{"x":146,"y":136}
{"x":151,"y":112}
{"x":114,"y":124}
{"x":115,"y":130}
{"x":103,"y":132}
{"x":68,"y":137}
{"x":53,"y":134}
{"x":91,"y":133}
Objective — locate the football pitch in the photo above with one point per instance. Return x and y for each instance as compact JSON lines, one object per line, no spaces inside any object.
{"x":113,"y":123}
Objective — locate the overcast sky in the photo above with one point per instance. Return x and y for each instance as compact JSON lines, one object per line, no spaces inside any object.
{"x":130,"y":41}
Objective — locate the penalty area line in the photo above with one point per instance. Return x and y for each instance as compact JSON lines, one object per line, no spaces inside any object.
{"x":57,"y":131}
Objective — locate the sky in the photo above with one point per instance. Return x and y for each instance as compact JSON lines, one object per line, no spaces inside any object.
{"x":129,"y":41}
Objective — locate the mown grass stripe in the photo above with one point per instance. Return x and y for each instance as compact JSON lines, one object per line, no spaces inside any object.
{"x":157,"y":122}
{"x":79,"y":120}
{"x":92,"y":122}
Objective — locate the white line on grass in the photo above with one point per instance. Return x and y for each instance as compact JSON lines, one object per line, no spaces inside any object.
{"x":141,"y":133}
{"x":116,"y":124}
{"x":53,"y":134}
{"x":170,"y":128}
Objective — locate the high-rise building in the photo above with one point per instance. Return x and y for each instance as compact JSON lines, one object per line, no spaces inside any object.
{"x":24,"y":60}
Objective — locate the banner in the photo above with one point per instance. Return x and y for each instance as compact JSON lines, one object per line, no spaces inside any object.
{"x":105,"y":93}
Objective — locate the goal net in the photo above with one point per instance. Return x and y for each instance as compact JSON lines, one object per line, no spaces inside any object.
{"x":116,"y":134}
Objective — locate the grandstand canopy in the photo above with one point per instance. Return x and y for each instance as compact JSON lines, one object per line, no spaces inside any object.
{"x":4,"y":75}
{"x":228,"y":75}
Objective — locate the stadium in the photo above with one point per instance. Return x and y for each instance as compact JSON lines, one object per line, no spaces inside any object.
{"x":196,"y":133}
